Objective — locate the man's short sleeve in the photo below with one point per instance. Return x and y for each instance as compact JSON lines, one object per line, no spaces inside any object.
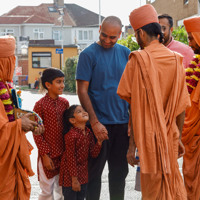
{"x":125,"y":84}
{"x":84,"y":67}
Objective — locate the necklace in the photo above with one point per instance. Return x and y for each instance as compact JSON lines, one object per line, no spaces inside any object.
{"x":6,"y":100}
{"x":193,"y":73}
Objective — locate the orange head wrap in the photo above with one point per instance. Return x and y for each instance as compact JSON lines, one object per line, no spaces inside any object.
{"x":192,"y":26}
{"x":7,"y":57}
{"x":142,"y":16}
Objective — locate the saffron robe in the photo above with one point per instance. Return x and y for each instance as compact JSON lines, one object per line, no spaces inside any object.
{"x":191,"y":141}
{"x":154,"y":84}
{"x":14,"y":160}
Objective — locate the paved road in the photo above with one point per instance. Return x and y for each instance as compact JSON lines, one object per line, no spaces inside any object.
{"x":29,"y":99}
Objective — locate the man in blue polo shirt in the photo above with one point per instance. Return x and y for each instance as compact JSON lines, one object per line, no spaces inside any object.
{"x":99,"y":70}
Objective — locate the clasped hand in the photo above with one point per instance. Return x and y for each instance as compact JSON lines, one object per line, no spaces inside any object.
{"x":47,"y":162}
{"x":131,"y":156}
{"x":29,"y":125}
{"x":100,"y":131}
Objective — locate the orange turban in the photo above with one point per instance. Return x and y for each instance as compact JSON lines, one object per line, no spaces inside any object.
{"x":142,"y":16}
{"x":192,"y":26}
{"x":7,"y":46}
{"x":7,"y":57}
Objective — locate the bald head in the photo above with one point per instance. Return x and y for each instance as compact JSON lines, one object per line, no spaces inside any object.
{"x":113,"y":20}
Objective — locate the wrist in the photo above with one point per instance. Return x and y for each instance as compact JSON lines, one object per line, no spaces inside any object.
{"x":94,"y":123}
{"x":99,"y":143}
{"x":74,"y":178}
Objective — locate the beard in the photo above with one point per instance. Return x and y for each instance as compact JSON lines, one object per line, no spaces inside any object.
{"x":139,"y":41}
{"x":167,"y":38}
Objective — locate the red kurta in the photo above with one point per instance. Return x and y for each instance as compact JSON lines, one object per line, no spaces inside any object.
{"x":51,"y":141}
{"x":75,"y":158}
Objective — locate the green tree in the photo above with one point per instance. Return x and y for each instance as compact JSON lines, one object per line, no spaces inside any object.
{"x":180,"y":34}
{"x":69,"y":71}
{"x":129,"y":42}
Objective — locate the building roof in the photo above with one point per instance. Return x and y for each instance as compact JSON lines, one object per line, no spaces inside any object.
{"x":74,"y":15}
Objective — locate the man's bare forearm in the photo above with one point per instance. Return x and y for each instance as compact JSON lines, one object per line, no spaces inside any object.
{"x":180,"y":121}
{"x":86,"y":102}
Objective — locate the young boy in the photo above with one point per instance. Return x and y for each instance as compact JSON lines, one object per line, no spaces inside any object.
{"x":50,"y":144}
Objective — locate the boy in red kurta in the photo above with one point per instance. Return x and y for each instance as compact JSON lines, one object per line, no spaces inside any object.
{"x":50,"y":144}
{"x":79,"y":144}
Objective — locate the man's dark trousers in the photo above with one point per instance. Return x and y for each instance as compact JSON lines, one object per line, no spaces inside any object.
{"x":114,"y":151}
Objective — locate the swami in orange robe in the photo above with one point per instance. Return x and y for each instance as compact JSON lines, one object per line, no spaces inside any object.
{"x":14,"y":151}
{"x":153,"y":83}
{"x":191,"y":128}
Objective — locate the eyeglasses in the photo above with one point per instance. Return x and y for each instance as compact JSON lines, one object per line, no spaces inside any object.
{"x":136,"y":32}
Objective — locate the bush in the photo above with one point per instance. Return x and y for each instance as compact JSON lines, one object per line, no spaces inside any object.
{"x":129,"y":42}
{"x":180,"y":34}
{"x":69,"y":71}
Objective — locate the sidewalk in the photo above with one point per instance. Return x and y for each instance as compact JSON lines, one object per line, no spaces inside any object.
{"x":130,"y":193}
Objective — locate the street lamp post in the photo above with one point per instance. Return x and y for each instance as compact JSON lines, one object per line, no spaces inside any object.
{"x":99,"y":12}
{"x":61,"y":12}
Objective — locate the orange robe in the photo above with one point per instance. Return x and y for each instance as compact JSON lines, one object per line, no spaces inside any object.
{"x":191,"y":141}
{"x":14,"y":160}
{"x":154,"y":84}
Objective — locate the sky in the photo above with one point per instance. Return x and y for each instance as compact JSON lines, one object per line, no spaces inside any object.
{"x":118,"y":8}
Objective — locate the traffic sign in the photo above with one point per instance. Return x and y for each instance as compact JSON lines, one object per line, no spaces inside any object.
{"x":59,"y":51}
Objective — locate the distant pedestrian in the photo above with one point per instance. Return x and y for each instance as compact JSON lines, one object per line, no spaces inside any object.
{"x":79,"y":144}
{"x":50,"y":144}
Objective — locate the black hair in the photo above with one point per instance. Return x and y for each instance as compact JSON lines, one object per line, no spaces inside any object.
{"x":68,"y":113}
{"x":49,"y":75}
{"x":153,"y":30}
{"x":169,"y":18}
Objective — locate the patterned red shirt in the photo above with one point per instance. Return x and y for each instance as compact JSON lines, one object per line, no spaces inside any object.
{"x":51,"y":141}
{"x":74,"y":162}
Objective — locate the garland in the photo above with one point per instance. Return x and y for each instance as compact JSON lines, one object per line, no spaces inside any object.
{"x":193,"y":73}
{"x":6,"y":100}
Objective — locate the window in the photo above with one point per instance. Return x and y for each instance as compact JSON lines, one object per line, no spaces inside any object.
{"x":80,"y":35}
{"x":41,"y":59}
{"x":90,"y":35}
{"x":57,"y":35}
{"x":52,"y":9}
{"x":7,"y":31}
{"x":85,"y":35}
{"x":151,"y":1}
{"x":185,"y":1}
{"x":38,"y":33}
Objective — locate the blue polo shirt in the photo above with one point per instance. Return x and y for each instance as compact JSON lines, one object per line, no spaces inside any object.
{"x":103,"y":69}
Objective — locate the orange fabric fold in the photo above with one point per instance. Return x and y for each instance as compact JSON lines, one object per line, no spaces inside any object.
{"x":191,"y":141}
{"x":14,"y":159}
{"x":154,"y":84}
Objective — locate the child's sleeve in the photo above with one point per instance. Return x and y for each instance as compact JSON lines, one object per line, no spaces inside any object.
{"x":70,"y":146}
{"x":42,"y":145}
{"x":94,"y":148}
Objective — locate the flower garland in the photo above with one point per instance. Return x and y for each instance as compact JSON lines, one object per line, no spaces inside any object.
{"x":6,"y":100}
{"x":193,"y":73}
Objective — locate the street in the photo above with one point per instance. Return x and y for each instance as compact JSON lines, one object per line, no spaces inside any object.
{"x":28,"y":100}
